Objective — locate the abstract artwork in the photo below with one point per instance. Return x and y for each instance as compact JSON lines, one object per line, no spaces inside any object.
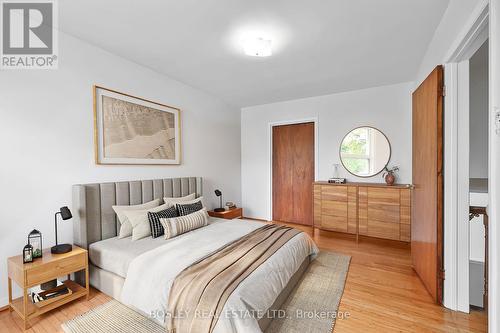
{"x":132,"y":130}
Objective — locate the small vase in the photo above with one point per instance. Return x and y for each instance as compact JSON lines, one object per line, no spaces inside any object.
{"x":389,"y":179}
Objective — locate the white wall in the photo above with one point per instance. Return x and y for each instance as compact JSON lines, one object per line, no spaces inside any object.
{"x":478,"y":120}
{"x":46,"y":140}
{"x":447,"y":33}
{"x":387,"y":108}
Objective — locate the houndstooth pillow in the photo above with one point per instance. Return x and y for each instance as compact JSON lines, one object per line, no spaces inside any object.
{"x":186,"y":209}
{"x":154,"y":220}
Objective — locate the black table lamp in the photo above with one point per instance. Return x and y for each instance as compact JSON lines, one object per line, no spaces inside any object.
{"x":65,"y":215}
{"x":219,"y":194}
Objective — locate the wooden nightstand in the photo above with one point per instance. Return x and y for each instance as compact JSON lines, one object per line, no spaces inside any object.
{"x":236,"y":213}
{"x":45,"y":269}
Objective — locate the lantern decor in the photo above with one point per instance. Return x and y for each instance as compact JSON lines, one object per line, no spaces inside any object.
{"x":35,"y":240}
{"x":27,"y":253}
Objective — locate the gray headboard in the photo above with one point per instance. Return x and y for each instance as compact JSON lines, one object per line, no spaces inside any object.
{"x":95,"y":220}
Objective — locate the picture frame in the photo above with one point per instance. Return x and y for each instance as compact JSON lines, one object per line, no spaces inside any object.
{"x":133,"y":130}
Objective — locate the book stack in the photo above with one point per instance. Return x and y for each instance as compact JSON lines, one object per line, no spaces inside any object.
{"x":230,"y":205}
{"x":39,"y":295}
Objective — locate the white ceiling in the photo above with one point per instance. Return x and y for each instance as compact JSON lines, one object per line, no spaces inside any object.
{"x":319,"y":46}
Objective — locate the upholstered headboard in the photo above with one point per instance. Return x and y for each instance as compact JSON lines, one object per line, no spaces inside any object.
{"x":95,"y":220}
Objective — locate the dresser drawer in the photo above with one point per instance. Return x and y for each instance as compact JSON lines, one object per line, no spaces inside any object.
{"x":383,"y":213}
{"x":334,"y":208}
{"x":383,"y":230}
{"x":335,"y":223}
{"x":334,"y":193}
{"x":60,"y":267}
{"x":387,"y":196}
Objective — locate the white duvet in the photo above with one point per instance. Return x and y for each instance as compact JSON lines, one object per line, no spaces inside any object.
{"x":151,"y":274}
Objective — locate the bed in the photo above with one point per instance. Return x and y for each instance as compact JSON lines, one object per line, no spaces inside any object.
{"x":140,"y":273}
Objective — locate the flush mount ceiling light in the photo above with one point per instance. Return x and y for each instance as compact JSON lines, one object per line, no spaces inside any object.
{"x":257,"y":47}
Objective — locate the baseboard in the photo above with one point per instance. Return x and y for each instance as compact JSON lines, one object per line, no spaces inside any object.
{"x":254,"y":219}
{"x":476,"y":283}
{"x":4,"y":303}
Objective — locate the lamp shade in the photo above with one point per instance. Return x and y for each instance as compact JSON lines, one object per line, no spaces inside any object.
{"x":218,"y":193}
{"x":65,"y":213}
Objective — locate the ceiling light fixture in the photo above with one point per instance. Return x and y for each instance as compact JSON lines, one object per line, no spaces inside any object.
{"x":257,"y":47}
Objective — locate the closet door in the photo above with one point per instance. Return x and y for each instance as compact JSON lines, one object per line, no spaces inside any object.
{"x":427,"y":197}
{"x":293,"y":173}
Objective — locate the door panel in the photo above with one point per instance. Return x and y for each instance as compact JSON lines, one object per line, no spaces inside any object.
{"x":293,"y":173}
{"x":282,"y":177}
{"x":427,"y":197}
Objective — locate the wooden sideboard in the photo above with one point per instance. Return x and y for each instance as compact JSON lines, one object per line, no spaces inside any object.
{"x":368,"y":209}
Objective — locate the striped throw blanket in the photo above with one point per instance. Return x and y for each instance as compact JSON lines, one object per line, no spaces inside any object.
{"x":199,"y":292}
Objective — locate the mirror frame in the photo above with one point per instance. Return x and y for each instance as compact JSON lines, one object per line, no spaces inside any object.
{"x":386,"y":164}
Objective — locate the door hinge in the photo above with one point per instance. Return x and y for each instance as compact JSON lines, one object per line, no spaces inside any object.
{"x":442,"y":274}
{"x":444,"y":90}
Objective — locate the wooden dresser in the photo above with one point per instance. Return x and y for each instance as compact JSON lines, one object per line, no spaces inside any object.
{"x":368,"y":209}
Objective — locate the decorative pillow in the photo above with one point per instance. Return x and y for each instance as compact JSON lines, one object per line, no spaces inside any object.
{"x":189,"y":207}
{"x":154,"y":220}
{"x":174,"y":201}
{"x":140,"y":223}
{"x":125,"y":226}
{"x":179,"y":225}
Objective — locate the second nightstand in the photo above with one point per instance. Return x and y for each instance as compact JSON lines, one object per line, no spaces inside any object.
{"x":235,"y":213}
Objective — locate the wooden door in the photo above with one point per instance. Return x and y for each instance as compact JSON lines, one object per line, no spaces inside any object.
{"x":427,"y":197}
{"x":293,"y":173}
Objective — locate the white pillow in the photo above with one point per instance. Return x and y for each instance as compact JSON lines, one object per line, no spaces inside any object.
{"x":139,"y":221}
{"x":188,"y":202}
{"x":178,"y":225}
{"x":125,"y":226}
{"x":173,"y":201}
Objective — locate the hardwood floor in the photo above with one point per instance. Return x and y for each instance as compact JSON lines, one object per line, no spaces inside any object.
{"x":382,"y":294}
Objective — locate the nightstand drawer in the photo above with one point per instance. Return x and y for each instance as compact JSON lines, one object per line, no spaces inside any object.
{"x":55,"y":268}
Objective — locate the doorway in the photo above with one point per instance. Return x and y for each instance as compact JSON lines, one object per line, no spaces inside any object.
{"x":478,"y":176}
{"x":293,"y":169}
{"x":465,"y":171}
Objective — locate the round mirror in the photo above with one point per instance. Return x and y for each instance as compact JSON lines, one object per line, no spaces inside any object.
{"x":365,"y":151}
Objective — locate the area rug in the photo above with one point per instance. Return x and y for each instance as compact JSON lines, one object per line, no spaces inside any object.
{"x":311,"y":307}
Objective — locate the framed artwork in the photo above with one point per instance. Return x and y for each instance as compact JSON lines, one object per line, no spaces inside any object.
{"x":133,"y":130}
